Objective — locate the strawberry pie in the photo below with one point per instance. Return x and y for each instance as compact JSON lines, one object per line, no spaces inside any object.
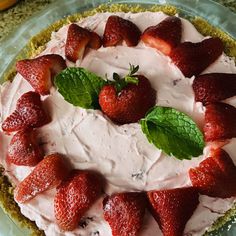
{"x":123,"y":125}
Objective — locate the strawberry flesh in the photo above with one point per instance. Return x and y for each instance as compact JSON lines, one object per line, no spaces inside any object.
{"x":215,"y":176}
{"x":24,"y":149}
{"x":165,"y":36}
{"x":40,"y":71}
{"x":29,"y":113}
{"x":125,"y":212}
{"x":78,"y":39}
{"x":219,"y":122}
{"x":75,"y":196}
{"x":131,"y":104}
{"x":194,"y":58}
{"x":118,"y":29}
{"x":173,"y":208}
{"x":47,"y":174}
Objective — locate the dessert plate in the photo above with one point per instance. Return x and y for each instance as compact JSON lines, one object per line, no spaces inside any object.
{"x":15,"y":45}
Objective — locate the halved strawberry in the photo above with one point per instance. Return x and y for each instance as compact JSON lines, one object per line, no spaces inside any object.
{"x":173,"y":208}
{"x":29,"y":113}
{"x":75,"y":196}
{"x":47,"y":174}
{"x":40,"y":71}
{"x":129,"y":105}
{"x":219,"y":122}
{"x":193,"y":58}
{"x":165,"y":36}
{"x":24,"y":149}
{"x":118,"y":29}
{"x":78,"y":39}
{"x":214,"y":87}
{"x":215,"y":176}
{"x":124,"y":212}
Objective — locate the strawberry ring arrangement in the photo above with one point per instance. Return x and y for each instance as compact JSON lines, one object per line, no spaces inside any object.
{"x":124,"y":100}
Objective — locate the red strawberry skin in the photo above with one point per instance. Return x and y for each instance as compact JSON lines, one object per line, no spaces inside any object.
{"x":124,"y":212}
{"x":219,"y":122}
{"x":193,"y":58}
{"x":165,"y":36}
{"x":214,"y":87}
{"x":173,"y":208}
{"x":118,"y":29}
{"x":215,"y":176}
{"x":29,"y":113}
{"x":47,"y":174}
{"x":78,"y":39}
{"x":24,"y":149}
{"x":40,"y":71}
{"x":75,"y":196}
{"x":131,"y":104}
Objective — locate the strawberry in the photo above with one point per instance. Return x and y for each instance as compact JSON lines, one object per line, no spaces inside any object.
{"x":40,"y":71}
{"x":118,"y":29}
{"x":173,"y":208}
{"x":24,"y":149}
{"x":78,"y":39}
{"x":129,"y":105}
{"x":164,"y":36}
{"x":219,"y":122}
{"x":47,"y":174}
{"x":74,"y":197}
{"x":124,"y":212}
{"x":214,"y":87}
{"x":215,"y":176}
{"x":29,"y":113}
{"x":193,"y":58}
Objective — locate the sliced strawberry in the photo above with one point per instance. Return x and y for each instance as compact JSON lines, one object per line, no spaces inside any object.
{"x":214,"y":87}
{"x":215,"y":176}
{"x":40,"y":71}
{"x":131,"y":104}
{"x":193,"y":58}
{"x":173,"y":208}
{"x":75,"y":196}
{"x":78,"y":39}
{"x":124,"y":212}
{"x":165,"y":36}
{"x":47,"y":174}
{"x":118,"y":29}
{"x":29,"y":113}
{"x":24,"y":149}
{"x":219,"y":122}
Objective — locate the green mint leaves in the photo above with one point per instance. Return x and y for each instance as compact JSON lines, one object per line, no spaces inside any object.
{"x":173,"y":132}
{"x":80,"y":87}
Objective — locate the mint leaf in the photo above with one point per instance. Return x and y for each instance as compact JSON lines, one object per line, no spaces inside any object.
{"x":173,"y":132}
{"x":79,"y":87}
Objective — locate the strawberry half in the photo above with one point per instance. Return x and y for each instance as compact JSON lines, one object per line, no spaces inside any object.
{"x":29,"y":113}
{"x":219,"y":122}
{"x":214,"y":87}
{"x":215,"y":176}
{"x":131,"y":104}
{"x":47,"y":174}
{"x":165,"y":36}
{"x":40,"y":71}
{"x":173,"y":208}
{"x":78,"y":39}
{"x":193,"y":58}
{"x":118,"y":29}
{"x":24,"y":149}
{"x":75,"y":196}
{"x":124,"y":212}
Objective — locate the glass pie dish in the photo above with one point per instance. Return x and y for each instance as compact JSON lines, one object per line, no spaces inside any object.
{"x":15,"y":46}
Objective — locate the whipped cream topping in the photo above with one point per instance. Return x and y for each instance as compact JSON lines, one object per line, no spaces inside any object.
{"x":89,"y":140}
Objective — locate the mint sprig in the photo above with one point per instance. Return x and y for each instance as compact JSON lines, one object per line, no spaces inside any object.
{"x":79,"y":87}
{"x":173,"y":132}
